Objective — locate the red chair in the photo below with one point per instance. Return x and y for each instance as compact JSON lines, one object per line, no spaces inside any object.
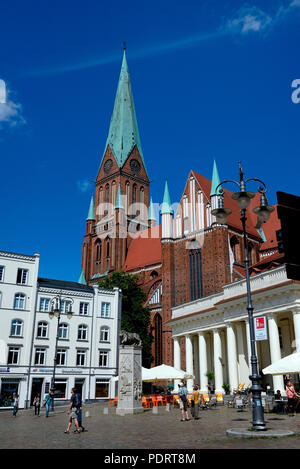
{"x":115,"y":401}
{"x":159,"y":400}
{"x":145,"y":402}
{"x":154,"y":401}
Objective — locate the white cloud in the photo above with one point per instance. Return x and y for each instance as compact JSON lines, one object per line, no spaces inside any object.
{"x":252,"y":19}
{"x":10,"y":111}
{"x":84,"y":185}
{"x":249,"y":19}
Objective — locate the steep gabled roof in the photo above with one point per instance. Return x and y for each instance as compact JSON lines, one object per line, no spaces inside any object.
{"x":123,"y":132}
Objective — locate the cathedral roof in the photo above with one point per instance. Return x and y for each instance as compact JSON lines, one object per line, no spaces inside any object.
{"x":91,"y":214}
{"x":166,"y":205}
{"x":123,"y":132}
{"x":144,"y":249}
{"x":215,"y":180}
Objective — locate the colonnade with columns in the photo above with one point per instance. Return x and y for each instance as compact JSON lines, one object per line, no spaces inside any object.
{"x":225,"y":349}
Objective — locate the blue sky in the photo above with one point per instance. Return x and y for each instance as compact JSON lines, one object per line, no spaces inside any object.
{"x":211,"y":79}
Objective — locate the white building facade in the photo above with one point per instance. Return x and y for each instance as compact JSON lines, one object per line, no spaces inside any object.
{"x":87,"y":342}
{"x":216,"y":331}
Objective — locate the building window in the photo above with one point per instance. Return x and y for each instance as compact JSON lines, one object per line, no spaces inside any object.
{"x":65,"y":306}
{"x":195,"y":268}
{"x":63,"y":331}
{"x":44,"y":304}
{"x":158,"y":339}
{"x":104,"y":334}
{"x":1,"y":273}
{"x":60,"y":388}
{"x":103,"y":358}
{"x":19,"y":301}
{"x":80,"y":357}
{"x":61,"y":356}
{"x":84,"y":309}
{"x":82,"y":332}
{"x":98,"y":250}
{"x":16,"y":328}
{"x":102,"y":388}
{"x":133,"y":194}
{"x":22,"y":276}
{"x":13,"y":355}
{"x":105,"y":310}
{"x":42,"y":330}
{"x":107,"y":247}
{"x":40,"y":356}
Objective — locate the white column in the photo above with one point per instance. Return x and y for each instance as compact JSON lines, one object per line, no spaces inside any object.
{"x":177,"y":364}
{"x":249,"y":347}
{"x":242,"y":363}
{"x":218,"y":370}
{"x":275,"y":352}
{"x":232,"y":358}
{"x":189,"y":360}
{"x":296,"y":320}
{"x":203,"y":363}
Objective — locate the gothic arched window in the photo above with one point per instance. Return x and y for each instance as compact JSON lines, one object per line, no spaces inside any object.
{"x":158,"y":339}
{"x":195,"y":268}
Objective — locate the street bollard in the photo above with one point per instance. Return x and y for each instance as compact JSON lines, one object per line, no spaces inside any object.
{"x":155,"y":410}
{"x":87,"y":414}
{"x":105,"y":410}
{"x":167,"y":407}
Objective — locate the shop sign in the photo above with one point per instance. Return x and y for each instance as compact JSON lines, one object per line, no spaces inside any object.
{"x":5,"y":370}
{"x":42,"y":370}
{"x":260,"y":327}
{"x":71,"y":370}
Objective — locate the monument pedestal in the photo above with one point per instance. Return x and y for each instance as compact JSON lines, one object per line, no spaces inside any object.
{"x":130,"y":380}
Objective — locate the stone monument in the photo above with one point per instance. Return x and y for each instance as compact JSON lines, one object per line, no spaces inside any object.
{"x":130,"y":374}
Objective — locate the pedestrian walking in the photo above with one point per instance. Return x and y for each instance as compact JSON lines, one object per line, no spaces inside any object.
{"x":293,"y":397}
{"x":183,"y":401}
{"x":195,"y":400}
{"x":16,"y":405}
{"x":72,"y":411}
{"x":37,"y":404}
{"x":47,"y":402}
{"x":79,"y":412}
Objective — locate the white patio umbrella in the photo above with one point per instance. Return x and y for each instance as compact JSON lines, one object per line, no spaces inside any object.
{"x":163,"y":373}
{"x":288,"y":364}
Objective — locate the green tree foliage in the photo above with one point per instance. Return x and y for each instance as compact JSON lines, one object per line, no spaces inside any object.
{"x":135,"y":317}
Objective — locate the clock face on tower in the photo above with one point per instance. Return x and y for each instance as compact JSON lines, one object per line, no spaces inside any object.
{"x":107,"y":166}
{"x":135,"y":166}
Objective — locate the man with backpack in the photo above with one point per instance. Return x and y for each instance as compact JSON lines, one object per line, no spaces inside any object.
{"x":183,"y":401}
{"x":73,"y":412}
{"x":79,"y":411}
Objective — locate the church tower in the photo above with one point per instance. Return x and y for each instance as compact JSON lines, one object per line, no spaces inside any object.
{"x":121,"y":189}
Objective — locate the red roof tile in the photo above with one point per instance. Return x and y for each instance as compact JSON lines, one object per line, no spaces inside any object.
{"x":144,"y":249}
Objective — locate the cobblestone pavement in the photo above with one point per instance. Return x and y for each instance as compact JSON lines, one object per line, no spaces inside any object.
{"x":141,"y":431}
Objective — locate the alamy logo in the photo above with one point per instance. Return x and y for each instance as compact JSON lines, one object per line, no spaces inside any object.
{"x":2,"y":92}
{"x":296,"y":94}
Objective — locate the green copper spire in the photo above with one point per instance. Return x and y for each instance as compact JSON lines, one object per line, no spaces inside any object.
{"x":123,"y":132}
{"x":91,"y":214}
{"x":151,"y":215}
{"x":82,"y":279}
{"x":166,"y":205}
{"x":215,"y":180}
{"x":119,"y":201}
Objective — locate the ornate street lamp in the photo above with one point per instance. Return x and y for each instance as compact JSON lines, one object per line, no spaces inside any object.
{"x":243,"y":198}
{"x":56,"y":311}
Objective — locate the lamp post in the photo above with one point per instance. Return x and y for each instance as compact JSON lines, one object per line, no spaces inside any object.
{"x":243,"y":198}
{"x":56,"y":309}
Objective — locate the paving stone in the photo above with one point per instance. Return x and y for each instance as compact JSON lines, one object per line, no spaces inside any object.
{"x":163,"y":430}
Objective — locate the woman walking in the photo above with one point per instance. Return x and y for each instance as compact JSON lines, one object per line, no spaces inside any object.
{"x":37,"y":404}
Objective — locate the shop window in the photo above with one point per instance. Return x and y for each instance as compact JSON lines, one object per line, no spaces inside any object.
{"x":102,"y":388}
